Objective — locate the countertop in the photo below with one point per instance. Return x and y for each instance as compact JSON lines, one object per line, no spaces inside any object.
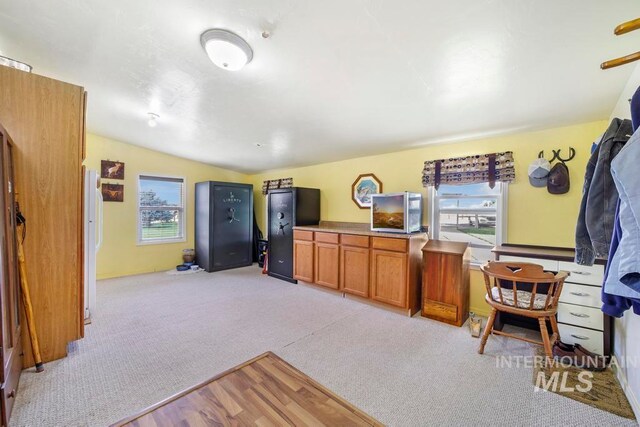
{"x":357,"y":228}
{"x":529,"y":251}
{"x":446,"y":247}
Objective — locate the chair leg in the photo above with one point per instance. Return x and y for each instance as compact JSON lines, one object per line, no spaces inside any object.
{"x":554,"y":328}
{"x":487,"y":330}
{"x":545,"y":337}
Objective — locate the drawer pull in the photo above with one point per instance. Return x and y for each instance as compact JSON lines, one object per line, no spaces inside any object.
{"x":580,"y":337}
{"x":579,"y":294}
{"x":583,"y":273}
{"x":579,"y":314}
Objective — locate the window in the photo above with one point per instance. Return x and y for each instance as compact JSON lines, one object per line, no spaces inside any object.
{"x":473,"y":213}
{"x":160,"y":209}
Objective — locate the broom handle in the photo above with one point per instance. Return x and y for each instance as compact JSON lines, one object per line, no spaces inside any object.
{"x":26,"y":300}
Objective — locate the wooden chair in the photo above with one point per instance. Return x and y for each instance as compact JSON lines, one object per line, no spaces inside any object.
{"x":524,"y":289}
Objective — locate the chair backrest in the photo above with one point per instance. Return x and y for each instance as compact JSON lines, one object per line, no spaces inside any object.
{"x":499,"y":273}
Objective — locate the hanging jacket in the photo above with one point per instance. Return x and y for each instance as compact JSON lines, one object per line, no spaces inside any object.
{"x":616,"y":297}
{"x":599,"y":196}
{"x":624,"y":170}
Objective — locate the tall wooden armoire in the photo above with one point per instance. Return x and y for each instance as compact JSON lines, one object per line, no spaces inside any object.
{"x":45,"y":119}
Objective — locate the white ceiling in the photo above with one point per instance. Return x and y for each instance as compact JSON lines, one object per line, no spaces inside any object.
{"x":336,"y":79}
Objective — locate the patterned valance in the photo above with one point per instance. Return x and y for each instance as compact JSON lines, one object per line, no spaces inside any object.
{"x":272,"y":184}
{"x":491,"y":168}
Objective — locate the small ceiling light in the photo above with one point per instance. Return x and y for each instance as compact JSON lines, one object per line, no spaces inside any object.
{"x":227,"y":50}
{"x":153,"y":120}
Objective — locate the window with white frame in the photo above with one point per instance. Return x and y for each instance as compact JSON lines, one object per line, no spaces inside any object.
{"x":473,"y":213}
{"x":161,"y":206}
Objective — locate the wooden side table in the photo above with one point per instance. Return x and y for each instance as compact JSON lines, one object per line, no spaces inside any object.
{"x":445,"y":281}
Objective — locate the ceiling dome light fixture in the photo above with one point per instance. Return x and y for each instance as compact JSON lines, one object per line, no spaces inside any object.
{"x":227,"y":50}
{"x":153,"y":120}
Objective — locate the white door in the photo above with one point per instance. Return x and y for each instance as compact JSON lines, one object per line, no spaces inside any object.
{"x":92,"y":239}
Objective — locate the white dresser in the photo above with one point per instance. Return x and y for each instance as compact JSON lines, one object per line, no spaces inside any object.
{"x":580,"y":319}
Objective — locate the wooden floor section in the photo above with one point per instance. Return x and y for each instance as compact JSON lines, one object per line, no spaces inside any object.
{"x":262,"y":391}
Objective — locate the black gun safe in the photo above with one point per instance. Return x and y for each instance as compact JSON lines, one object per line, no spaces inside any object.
{"x":288,"y":207}
{"x":224,"y":225}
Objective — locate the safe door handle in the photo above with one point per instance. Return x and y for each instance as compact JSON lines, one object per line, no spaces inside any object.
{"x":579,"y":314}
{"x":579,"y":294}
{"x":580,"y":337}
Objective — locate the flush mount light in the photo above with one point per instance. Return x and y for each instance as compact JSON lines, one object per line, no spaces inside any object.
{"x":227,"y":50}
{"x":153,"y":120}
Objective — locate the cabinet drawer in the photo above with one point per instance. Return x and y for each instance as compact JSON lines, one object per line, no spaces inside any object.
{"x":389,"y":244}
{"x":353,"y":240}
{"x":303,"y":235}
{"x":547,"y":264}
{"x":589,"y":275}
{"x":440,"y":310}
{"x":589,"y":339}
{"x":327,"y":237}
{"x":578,"y":315}
{"x":573,"y":293}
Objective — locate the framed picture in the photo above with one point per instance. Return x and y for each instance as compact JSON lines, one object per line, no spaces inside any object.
{"x":362,"y":189}
{"x":113,"y":192}
{"x":111,"y":170}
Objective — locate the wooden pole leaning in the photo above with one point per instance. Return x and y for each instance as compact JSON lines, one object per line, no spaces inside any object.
{"x":26,"y":301}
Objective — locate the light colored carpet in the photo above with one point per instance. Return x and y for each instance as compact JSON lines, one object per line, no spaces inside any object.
{"x":154,"y":335}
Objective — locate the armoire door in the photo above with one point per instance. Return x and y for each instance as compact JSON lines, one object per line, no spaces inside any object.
{"x":9,"y":283}
{"x":232,"y":226}
{"x":281,"y":233}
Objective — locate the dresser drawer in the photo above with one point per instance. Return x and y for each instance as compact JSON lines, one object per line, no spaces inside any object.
{"x":302,"y":235}
{"x":547,"y":264}
{"x":588,"y":275}
{"x":389,"y":244}
{"x":354,"y":240}
{"x":588,"y":338}
{"x":573,"y":293}
{"x":578,"y":315}
{"x":327,"y":237}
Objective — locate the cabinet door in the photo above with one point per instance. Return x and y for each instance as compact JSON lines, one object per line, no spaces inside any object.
{"x":327,"y":265}
{"x":354,"y":277}
{"x":389,"y":277}
{"x":11,"y":350}
{"x":303,"y":260}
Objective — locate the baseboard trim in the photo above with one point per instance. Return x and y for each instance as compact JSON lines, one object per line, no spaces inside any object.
{"x":628,"y":391}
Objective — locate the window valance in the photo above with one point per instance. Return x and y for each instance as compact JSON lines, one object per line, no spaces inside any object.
{"x":491,"y":168}
{"x":273,"y":184}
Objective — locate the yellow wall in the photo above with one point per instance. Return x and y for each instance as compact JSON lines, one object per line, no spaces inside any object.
{"x":120,"y":255}
{"x":534,"y":216}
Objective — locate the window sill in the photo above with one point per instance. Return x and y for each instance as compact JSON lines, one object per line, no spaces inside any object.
{"x":161,"y":241}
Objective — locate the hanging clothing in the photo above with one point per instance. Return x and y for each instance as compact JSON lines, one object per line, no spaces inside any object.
{"x":594,"y":228}
{"x":616,"y":297}
{"x":624,"y":170}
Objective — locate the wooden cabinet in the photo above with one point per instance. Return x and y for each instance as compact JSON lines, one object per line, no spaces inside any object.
{"x":45,"y":119}
{"x":445,"y":281}
{"x":354,"y":275}
{"x":327,"y":265}
{"x":303,"y":260}
{"x":10,"y":329}
{"x":389,"y":277}
{"x":383,"y":269}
